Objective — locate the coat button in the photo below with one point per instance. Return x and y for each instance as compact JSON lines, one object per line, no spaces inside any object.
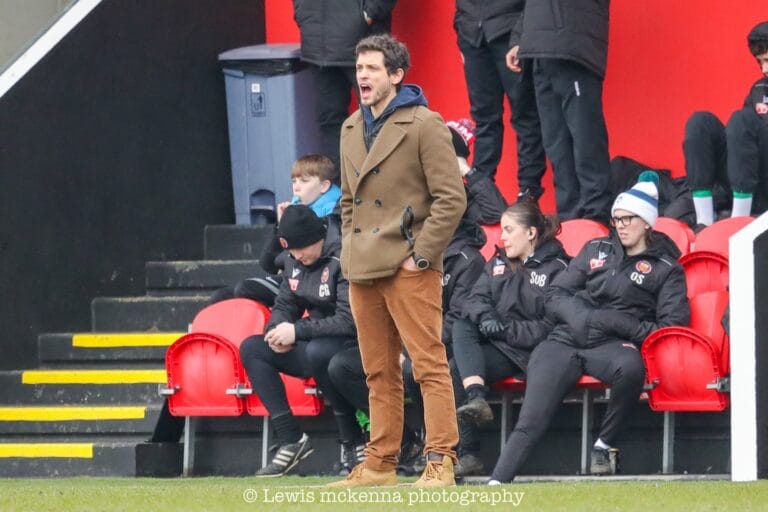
{"x":375,"y":170}
{"x":358,"y":200}
{"x":377,"y":203}
{"x":357,"y":230}
{"x":375,"y":230}
{"x":357,"y":173}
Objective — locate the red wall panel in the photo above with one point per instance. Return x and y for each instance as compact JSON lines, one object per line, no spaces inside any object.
{"x":665,"y":60}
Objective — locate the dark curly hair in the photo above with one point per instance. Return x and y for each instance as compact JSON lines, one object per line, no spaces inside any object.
{"x":396,"y":54}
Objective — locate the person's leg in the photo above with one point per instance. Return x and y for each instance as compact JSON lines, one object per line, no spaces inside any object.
{"x":415,"y":300}
{"x":619,"y":365}
{"x":334,"y":85}
{"x":485,"y":106}
{"x":518,"y":87}
{"x":743,"y":133}
{"x":581,"y":93}
{"x":225,"y":293}
{"x":348,"y":376}
{"x":380,"y":348}
{"x":468,"y":346}
{"x":553,"y":371}
{"x":261,"y":289}
{"x":558,"y":142}
{"x":263,"y":367}
{"x":704,"y":148}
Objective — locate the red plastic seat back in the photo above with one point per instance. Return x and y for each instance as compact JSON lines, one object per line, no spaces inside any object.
{"x":575,"y":233}
{"x":201,"y":367}
{"x":705,"y":272}
{"x":706,"y":318}
{"x":678,"y":231}
{"x":681,"y":363}
{"x":492,"y":235}
{"x":233,"y":319}
{"x":714,"y":238}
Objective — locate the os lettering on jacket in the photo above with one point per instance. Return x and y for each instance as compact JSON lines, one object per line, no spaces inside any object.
{"x":642,"y":268}
{"x":539,"y":280}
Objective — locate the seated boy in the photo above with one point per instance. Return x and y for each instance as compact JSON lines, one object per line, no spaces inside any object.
{"x":735,"y":156}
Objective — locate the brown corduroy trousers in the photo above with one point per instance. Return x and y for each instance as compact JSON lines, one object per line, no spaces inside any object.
{"x":404,"y":309}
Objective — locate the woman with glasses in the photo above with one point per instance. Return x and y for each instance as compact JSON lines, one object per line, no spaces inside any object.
{"x":617,"y":290}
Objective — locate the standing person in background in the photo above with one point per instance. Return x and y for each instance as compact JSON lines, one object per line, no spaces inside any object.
{"x":483,"y":28}
{"x":330,"y":29}
{"x":402,"y":198}
{"x":568,"y":43}
{"x":733,"y":156}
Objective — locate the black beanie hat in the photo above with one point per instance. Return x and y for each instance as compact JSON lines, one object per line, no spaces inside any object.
{"x":299,"y":227}
{"x":758,"y":34}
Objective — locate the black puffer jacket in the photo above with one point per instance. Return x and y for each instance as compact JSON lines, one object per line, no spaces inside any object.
{"x":462,"y":266}
{"x":607,"y":296}
{"x":485,"y":204}
{"x":330,"y":29}
{"x":516,"y":297}
{"x":490,"y":18}
{"x":574,"y":30}
{"x":319,"y":289}
{"x":758,"y":94}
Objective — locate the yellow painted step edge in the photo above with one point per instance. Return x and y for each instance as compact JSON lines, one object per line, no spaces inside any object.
{"x":134,"y":339}
{"x":65,"y":450}
{"x":94,"y":377}
{"x":71,"y":413}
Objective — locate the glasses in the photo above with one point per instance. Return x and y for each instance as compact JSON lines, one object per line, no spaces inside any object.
{"x":624,"y":221}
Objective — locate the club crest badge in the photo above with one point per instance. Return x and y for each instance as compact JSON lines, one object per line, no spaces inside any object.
{"x":498,"y":270}
{"x":325,"y":275}
{"x":294,"y":284}
{"x":643,"y":266}
{"x":596,"y":263}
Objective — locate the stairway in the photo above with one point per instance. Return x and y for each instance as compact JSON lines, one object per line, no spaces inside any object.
{"x":94,"y":397}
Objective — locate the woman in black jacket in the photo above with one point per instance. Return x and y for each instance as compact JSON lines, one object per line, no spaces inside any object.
{"x":618,"y":290}
{"x":503,"y":318}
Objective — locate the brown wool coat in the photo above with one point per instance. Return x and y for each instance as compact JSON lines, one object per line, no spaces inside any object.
{"x":411,"y":163}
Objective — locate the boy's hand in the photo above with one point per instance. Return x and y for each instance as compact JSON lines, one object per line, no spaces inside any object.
{"x":281,"y":209}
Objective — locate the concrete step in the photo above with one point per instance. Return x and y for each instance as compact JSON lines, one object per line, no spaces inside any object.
{"x":104,"y":350}
{"x":235,"y":242}
{"x":199,"y":276}
{"x":118,"y":314}
{"x":50,"y":456}
{"x":80,"y":386}
{"x":78,"y":420}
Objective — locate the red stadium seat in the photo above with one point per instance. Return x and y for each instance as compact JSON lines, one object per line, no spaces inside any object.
{"x":678,"y":231}
{"x":714,"y":238}
{"x":492,"y":234}
{"x":233,"y":319}
{"x":705,"y":272}
{"x":575,"y":233}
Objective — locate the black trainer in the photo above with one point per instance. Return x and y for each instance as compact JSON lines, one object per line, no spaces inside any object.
{"x":410,"y":454}
{"x":476,"y":410}
{"x":604,"y":461}
{"x":468,"y":465}
{"x":287,"y":457}
{"x":351,"y":456}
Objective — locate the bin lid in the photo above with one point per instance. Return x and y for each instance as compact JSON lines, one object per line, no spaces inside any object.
{"x":263,"y":52}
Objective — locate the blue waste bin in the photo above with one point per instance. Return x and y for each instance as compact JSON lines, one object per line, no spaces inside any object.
{"x":271,"y":113}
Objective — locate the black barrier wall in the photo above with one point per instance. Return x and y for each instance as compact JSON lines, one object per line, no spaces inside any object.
{"x":113,"y":151}
{"x":761,"y":351}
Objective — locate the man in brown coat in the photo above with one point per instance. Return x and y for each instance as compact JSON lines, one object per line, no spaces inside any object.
{"x":402,"y":198}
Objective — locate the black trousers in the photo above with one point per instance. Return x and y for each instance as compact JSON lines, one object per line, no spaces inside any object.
{"x":732,"y":156}
{"x":570,"y":101}
{"x":488,"y":81}
{"x":307,"y":359}
{"x":252,"y":289}
{"x":347,"y":373}
{"x":474,"y":354}
{"x":334,"y":86}
{"x":553,"y":371}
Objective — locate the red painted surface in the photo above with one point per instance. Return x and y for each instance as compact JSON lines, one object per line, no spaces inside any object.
{"x":665,"y":61}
